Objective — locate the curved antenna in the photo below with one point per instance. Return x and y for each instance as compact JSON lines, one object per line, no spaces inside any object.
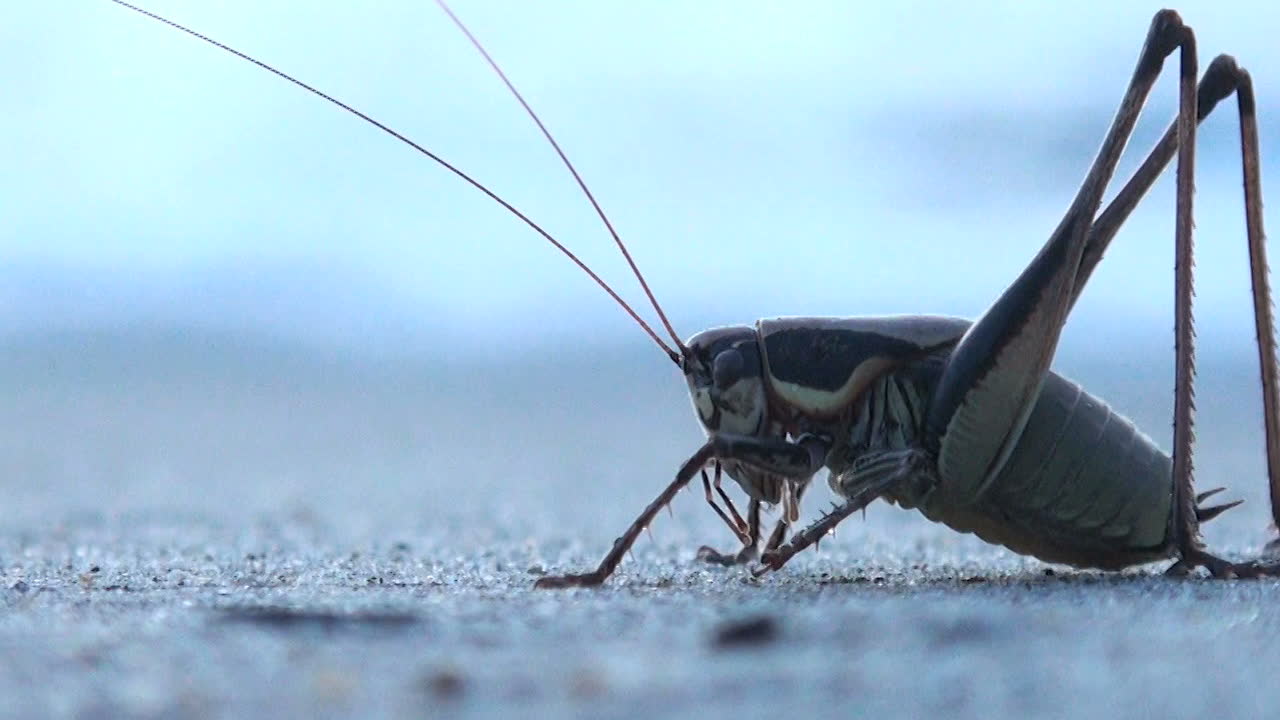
{"x":675,"y":356}
{"x":574,"y":171}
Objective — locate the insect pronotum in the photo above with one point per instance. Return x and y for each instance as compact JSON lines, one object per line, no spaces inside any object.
{"x":961,"y":420}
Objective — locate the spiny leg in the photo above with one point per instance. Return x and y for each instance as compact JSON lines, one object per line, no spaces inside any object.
{"x":728,"y":502}
{"x":893,"y":468}
{"x":750,"y":543}
{"x":1186,"y":518}
{"x":797,"y":461}
{"x":752,"y":551}
{"x":775,"y":559}
{"x":1221,"y":79}
{"x":777,"y":536}
{"x":1264,"y":324}
{"x":739,"y":528}
{"x":624,"y":543}
{"x":993,"y":377}
{"x":1187,"y":527}
{"x":784,"y":523}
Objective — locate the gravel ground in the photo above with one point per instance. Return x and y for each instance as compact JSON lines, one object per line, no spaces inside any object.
{"x":238,"y":532}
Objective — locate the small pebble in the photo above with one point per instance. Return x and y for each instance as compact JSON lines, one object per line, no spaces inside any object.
{"x":286,"y":617}
{"x":446,"y":684}
{"x":760,"y":630}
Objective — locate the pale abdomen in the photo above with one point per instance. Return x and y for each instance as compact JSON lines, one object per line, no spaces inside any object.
{"x":1083,"y":486}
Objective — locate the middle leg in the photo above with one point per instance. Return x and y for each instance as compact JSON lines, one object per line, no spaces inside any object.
{"x":881,"y":473}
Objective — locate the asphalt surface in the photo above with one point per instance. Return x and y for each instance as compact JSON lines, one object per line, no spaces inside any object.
{"x":222,"y":530}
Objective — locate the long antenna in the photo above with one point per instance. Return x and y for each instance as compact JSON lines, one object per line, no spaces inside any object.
{"x":675,"y":356}
{"x":574,"y":171}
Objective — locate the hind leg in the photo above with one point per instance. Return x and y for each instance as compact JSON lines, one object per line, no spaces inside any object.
{"x":1223,"y":78}
{"x":1187,"y":517}
{"x":993,"y":377}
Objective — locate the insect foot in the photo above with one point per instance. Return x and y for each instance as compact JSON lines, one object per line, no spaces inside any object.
{"x":1223,"y":569}
{"x":709,"y":554}
{"x":558,"y":582}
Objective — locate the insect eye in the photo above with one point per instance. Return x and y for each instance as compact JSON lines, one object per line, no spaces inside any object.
{"x":727,"y":368}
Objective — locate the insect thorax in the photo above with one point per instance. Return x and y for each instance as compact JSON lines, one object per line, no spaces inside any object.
{"x":888,"y":416}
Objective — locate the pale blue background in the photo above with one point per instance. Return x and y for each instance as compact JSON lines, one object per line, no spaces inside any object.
{"x":828,"y":158}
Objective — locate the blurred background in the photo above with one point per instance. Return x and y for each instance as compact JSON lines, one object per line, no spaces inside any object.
{"x":222,"y":297}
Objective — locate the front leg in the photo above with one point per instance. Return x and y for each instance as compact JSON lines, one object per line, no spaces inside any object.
{"x":796,"y":461}
{"x":623,"y":544}
{"x":750,"y":544}
{"x":751,"y":550}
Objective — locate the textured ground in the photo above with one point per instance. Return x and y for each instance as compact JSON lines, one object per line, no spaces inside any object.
{"x":206,"y":529}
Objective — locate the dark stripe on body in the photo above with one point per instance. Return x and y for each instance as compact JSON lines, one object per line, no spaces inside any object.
{"x":979,"y":350}
{"x":825,"y":358}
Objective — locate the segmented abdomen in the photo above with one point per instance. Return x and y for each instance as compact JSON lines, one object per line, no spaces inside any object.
{"x":1083,"y":486}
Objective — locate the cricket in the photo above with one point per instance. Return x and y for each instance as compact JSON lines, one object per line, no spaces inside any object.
{"x":964,"y":421}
